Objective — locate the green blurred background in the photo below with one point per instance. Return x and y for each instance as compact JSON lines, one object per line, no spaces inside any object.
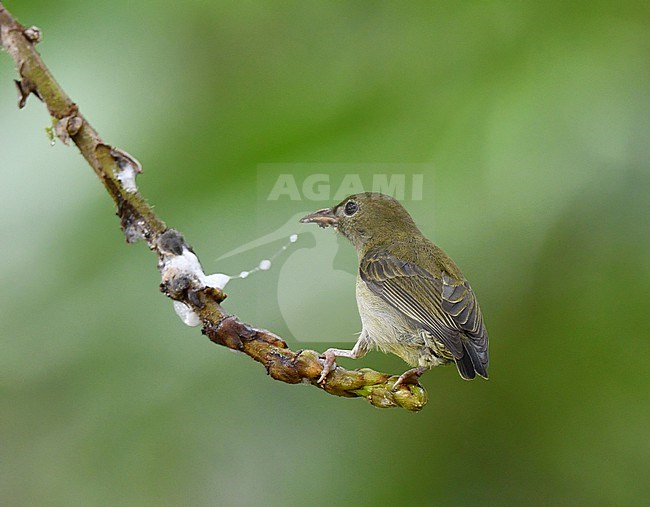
{"x":533,"y":119}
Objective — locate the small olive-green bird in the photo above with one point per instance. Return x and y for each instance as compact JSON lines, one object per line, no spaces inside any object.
{"x":413,"y":300}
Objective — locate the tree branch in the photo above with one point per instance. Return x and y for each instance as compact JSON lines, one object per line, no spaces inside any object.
{"x":182,"y":277}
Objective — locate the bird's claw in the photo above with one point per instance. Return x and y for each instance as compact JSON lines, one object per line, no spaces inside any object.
{"x":409,"y":377}
{"x":330,"y":365}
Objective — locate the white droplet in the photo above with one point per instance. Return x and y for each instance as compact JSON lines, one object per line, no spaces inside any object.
{"x":186,"y":314}
{"x":218,"y":280}
{"x":265,"y":265}
{"x":293,"y":238}
{"x":244,"y":274}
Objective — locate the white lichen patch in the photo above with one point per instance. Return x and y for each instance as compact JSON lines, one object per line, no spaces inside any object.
{"x":186,"y":264}
{"x":126,"y":176}
{"x":129,"y":166}
{"x":135,"y":230}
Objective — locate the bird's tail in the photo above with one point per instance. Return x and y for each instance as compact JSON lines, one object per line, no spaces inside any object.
{"x":470,"y":364}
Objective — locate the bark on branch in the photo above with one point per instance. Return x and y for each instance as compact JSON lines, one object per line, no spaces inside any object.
{"x":116,"y":170}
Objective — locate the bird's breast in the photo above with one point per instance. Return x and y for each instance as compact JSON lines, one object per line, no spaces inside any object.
{"x":388,"y":329}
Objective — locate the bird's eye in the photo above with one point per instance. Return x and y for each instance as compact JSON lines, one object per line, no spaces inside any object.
{"x":351,"y":207}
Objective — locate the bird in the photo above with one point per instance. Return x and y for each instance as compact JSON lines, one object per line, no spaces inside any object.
{"x":412,"y":298}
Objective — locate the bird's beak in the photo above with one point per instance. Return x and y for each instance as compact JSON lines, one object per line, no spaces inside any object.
{"x":323,"y":217}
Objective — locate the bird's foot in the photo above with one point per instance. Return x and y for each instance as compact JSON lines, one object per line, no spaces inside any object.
{"x":330,"y":365}
{"x":409,"y":377}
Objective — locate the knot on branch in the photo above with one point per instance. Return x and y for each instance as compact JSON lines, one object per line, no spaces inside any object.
{"x":33,"y":34}
{"x":170,"y":243}
{"x":68,"y":126}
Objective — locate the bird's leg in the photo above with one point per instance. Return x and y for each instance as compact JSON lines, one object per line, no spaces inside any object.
{"x":410,"y":376}
{"x":330,"y":355}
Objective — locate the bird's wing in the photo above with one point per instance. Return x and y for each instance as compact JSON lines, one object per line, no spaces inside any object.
{"x":459,"y":301}
{"x":441,"y":305}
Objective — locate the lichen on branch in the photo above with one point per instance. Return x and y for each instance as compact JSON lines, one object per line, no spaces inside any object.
{"x":182,"y":277}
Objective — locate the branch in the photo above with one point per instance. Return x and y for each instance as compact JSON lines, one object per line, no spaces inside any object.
{"x":182,"y":277}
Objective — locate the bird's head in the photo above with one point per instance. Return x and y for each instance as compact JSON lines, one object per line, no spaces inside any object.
{"x":366,"y":219}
